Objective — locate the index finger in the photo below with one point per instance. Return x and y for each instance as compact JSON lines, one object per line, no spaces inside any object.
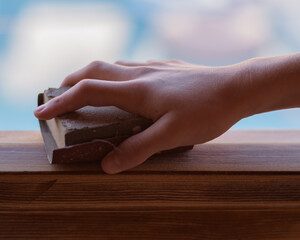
{"x":92,"y":93}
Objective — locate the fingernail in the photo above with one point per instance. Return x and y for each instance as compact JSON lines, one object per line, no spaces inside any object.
{"x":40,"y":108}
{"x":112,"y":164}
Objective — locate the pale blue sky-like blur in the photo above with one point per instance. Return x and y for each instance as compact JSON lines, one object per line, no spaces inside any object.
{"x":43,"y":41}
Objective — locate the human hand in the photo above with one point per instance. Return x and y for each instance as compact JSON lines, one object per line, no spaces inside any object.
{"x":188,"y":103}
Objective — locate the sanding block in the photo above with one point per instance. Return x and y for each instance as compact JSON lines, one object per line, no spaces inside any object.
{"x":89,"y":133}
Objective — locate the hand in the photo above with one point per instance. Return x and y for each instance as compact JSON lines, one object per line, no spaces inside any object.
{"x":188,"y":103}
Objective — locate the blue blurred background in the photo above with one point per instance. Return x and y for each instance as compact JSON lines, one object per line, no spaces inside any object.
{"x":43,"y":41}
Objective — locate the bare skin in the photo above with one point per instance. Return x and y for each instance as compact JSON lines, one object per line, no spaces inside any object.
{"x":189,"y":104}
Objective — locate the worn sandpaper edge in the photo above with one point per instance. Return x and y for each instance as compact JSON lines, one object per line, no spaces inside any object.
{"x":49,"y":142}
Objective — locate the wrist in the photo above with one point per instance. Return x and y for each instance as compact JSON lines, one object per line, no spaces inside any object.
{"x":268,"y":84}
{"x":249,"y":87}
{"x":236,"y":94}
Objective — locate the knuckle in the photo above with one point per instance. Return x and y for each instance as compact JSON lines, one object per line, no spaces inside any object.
{"x":95,"y":64}
{"x":120,"y":62}
{"x":155,"y":62}
{"x":94,"y":67}
{"x":175,"y":61}
{"x":68,"y":79}
{"x":158,"y":62}
{"x":146,"y":69}
{"x":83,"y":91}
{"x":84,"y":86}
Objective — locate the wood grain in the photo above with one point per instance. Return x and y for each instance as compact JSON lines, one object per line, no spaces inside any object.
{"x":24,"y":151}
{"x":243,"y":185}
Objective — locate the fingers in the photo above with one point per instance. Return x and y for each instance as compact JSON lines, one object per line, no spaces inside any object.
{"x":92,"y":93}
{"x":136,"y":149}
{"x":120,"y":71}
{"x":99,"y":70}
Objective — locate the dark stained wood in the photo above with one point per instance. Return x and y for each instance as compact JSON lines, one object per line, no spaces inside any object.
{"x":155,"y":224}
{"x":243,"y":185}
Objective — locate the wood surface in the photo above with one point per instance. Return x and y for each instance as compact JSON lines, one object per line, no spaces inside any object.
{"x":243,"y":185}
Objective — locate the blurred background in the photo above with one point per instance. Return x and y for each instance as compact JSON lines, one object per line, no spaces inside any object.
{"x":42,"y":41}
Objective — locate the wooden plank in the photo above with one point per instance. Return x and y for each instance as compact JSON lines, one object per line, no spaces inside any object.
{"x":149,"y":191}
{"x":231,"y":136}
{"x":24,"y":152}
{"x":150,"y":206}
{"x":188,"y":225}
{"x":243,"y":185}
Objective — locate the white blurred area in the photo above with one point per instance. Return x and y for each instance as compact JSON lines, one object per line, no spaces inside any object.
{"x":213,"y":33}
{"x":51,"y":40}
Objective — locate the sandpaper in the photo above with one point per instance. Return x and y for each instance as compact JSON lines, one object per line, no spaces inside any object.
{"x":88,"y":123}
{"x":89,"y":133}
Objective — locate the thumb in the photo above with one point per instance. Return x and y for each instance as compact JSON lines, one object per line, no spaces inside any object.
{"x":136,"y":149}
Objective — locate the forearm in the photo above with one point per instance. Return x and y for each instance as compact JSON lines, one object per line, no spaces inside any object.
{"x":268,"y":84}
